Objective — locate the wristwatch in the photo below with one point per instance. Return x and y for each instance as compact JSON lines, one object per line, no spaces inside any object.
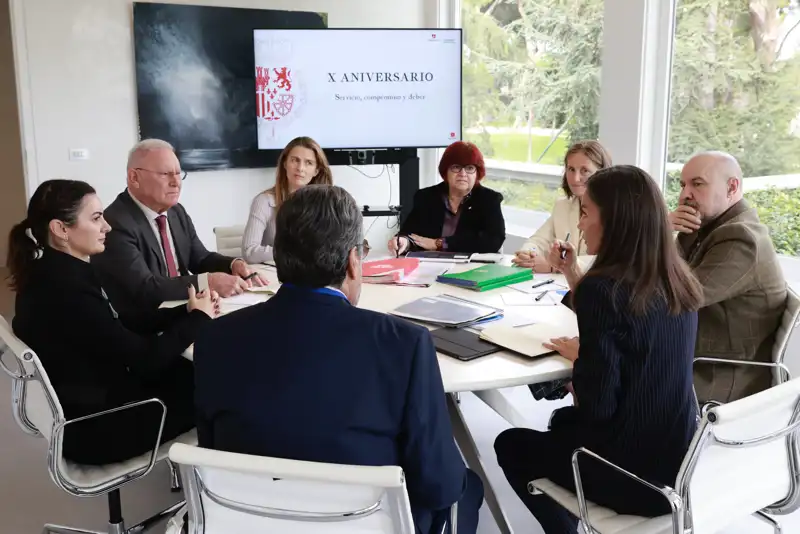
{"x":439,"y":243}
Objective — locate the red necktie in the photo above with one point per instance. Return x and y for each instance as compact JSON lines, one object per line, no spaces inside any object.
{"x":172,"y":270}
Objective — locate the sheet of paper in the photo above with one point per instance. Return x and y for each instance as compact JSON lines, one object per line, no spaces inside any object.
{"x":425,"y":274}
{"x":551,"y":298}
{"x":527,"y":287}
{"x":269,"y":290}
{"x":245,"y":299}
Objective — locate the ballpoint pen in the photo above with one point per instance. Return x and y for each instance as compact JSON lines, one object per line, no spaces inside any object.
{"x":540,"y":296}
{"x":542,"y":283}
{"x":398,"y":245}
{"x":564,"y":249}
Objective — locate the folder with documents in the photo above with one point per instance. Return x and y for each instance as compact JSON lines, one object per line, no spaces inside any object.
{"x":527,"y":340}
{"x":487,"y":277}
{"x":446,"y":310}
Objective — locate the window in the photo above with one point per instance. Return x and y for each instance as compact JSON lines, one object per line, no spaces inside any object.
{"x":735,"y":79}
{"x":531,"y":86}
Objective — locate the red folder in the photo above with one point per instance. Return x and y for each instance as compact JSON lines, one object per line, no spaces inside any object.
{"x":388,"y":271}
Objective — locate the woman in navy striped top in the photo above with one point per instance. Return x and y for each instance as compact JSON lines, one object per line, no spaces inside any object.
{"x":632,"y":375}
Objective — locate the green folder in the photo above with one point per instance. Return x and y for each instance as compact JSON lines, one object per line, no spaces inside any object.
{"x":487,"y":277}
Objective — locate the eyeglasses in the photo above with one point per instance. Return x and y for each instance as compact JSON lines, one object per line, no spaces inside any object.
{"x":363,"y":249}
{"x":469,"y":169}
{"x":181,"y":174}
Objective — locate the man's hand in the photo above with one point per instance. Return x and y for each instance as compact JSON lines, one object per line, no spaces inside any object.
{"x":685,"y":219}
{"x":225,"y":284}
{"x":242,"y":270}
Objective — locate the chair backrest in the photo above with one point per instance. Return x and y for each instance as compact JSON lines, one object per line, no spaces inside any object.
{"x":35,"y":404}
{"x":743,"y":458}
{"x":227,"y":493}
{"x":229,"y":240}
{"x":789,"y":322}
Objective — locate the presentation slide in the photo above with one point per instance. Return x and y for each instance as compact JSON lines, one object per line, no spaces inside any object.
{"x":357,"y":88}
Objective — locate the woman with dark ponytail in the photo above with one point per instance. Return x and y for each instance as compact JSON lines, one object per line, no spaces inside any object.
{"x":96,"y":359}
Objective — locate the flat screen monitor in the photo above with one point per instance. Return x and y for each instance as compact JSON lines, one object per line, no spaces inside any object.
{"x":358,"y":88}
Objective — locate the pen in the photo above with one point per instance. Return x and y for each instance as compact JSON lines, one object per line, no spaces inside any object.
{"x":542,"y":283}
{"x":398,"y":245}
{"x":563,"y":249}
{"x":249,"y":276}
{"x":540,"y":296}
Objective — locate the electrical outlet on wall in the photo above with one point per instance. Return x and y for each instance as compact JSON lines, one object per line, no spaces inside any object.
{"x":78,"y":154}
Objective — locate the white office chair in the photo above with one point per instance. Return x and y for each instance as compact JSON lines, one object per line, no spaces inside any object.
{"x":38,"y":412}
{"x":229,"y":240}
{"x":743,"y":460}
{"x":229,"y":493}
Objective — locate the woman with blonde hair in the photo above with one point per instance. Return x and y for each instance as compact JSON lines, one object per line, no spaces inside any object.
{"x":582,"y":160}
{"x":302,"y":162}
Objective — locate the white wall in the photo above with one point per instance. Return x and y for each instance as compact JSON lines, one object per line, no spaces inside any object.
{"x":78,"y":91}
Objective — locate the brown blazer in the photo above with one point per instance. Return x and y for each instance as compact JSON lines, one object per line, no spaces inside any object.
{"x":745,"y":297}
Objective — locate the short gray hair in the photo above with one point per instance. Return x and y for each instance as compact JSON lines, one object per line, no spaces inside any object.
{"x":146,"y":145}
{"x":315,"y":229}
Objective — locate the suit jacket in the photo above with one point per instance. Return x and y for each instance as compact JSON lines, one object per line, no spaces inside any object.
{"x":633,"y":389}
{"x":563,"y":221}
{"x":132,"y":268}
{"x":95,"y":358}
{"x":481,"y":227}
{"x":744,"y":300}
{"x":326,"y":381}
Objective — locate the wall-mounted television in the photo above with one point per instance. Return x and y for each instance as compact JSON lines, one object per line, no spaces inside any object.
{"x":358,"y":88}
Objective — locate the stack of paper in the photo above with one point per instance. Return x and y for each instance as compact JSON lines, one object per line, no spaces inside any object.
{"x":446,"y":310}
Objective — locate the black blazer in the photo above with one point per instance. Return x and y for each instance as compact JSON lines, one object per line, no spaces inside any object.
{"x":132,"y":268}
{"x":334,"y":383}
{"x":633,"y":386}
{"x":481,"y":227}
{"x":95,"y":359}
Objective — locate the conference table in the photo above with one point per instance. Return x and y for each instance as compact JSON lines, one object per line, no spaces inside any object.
{"x":484,"y":376}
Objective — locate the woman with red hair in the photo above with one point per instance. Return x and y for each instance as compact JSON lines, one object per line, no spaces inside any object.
{"x":457,"y":215}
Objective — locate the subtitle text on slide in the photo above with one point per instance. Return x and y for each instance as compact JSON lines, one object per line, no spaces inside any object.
{"x":377,"y":98}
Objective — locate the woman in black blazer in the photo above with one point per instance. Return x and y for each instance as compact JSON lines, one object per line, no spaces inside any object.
{"x":632,"y":374}
{"x":95,"y":359}
{"x":459,"y":214}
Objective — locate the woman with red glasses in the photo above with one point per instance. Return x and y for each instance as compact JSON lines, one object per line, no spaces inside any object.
{"x":457,"y":215}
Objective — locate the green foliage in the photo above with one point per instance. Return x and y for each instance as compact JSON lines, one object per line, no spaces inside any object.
{"x":514,"y":147}
{"x":526,"y":195}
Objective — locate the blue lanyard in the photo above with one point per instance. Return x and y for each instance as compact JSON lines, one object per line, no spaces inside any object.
{"x":320,"y":290}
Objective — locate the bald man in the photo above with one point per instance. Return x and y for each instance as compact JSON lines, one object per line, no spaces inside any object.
{"x":153,"y":252}
{"x":732,"y":255}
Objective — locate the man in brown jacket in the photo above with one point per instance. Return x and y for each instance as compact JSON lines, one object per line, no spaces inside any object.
{"x":732,"y":255}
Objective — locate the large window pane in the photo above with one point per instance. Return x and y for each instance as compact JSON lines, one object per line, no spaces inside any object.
{"x":736,"y":88}
{"x":531,"y":86}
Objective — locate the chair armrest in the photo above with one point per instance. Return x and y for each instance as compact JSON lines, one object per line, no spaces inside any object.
{"x":746,"y":363}
{"x":15,"y":375}
{"x":672,"y":497}
{"x":56,"y":446}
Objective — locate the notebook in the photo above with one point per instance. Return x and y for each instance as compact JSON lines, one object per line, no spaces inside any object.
{"x":527,"y":340}
{"x":388,"y":271}
{"x":487,"y":277}
{"x":442,"y":257}
{"x":462,"y":344}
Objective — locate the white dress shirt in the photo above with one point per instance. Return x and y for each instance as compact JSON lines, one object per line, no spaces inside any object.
{"x":151,"y":215}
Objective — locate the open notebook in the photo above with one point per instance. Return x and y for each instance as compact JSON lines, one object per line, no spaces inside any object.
{"x":527,"y":340}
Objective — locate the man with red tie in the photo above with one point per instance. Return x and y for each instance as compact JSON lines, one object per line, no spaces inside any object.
{"x":153,"y":252}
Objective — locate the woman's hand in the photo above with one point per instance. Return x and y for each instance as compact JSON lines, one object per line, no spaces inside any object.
{"x":203,"y":301}
{"x":565,"y":346}
{"x":425,"y":243}
{"x":568,"y":265}
{"x":531,"y":260}
{"x":393,"y":245}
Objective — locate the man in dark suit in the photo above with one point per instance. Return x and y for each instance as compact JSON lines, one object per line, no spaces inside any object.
{"x":731,"y":254}
{"x":153,"y":252}
{"x":326,"y":381}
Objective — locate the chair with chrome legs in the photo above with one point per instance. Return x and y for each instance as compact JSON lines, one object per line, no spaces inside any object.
{"x":743,"y":460}
{"x":38,"y":412}
{"x":228,"y":492}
